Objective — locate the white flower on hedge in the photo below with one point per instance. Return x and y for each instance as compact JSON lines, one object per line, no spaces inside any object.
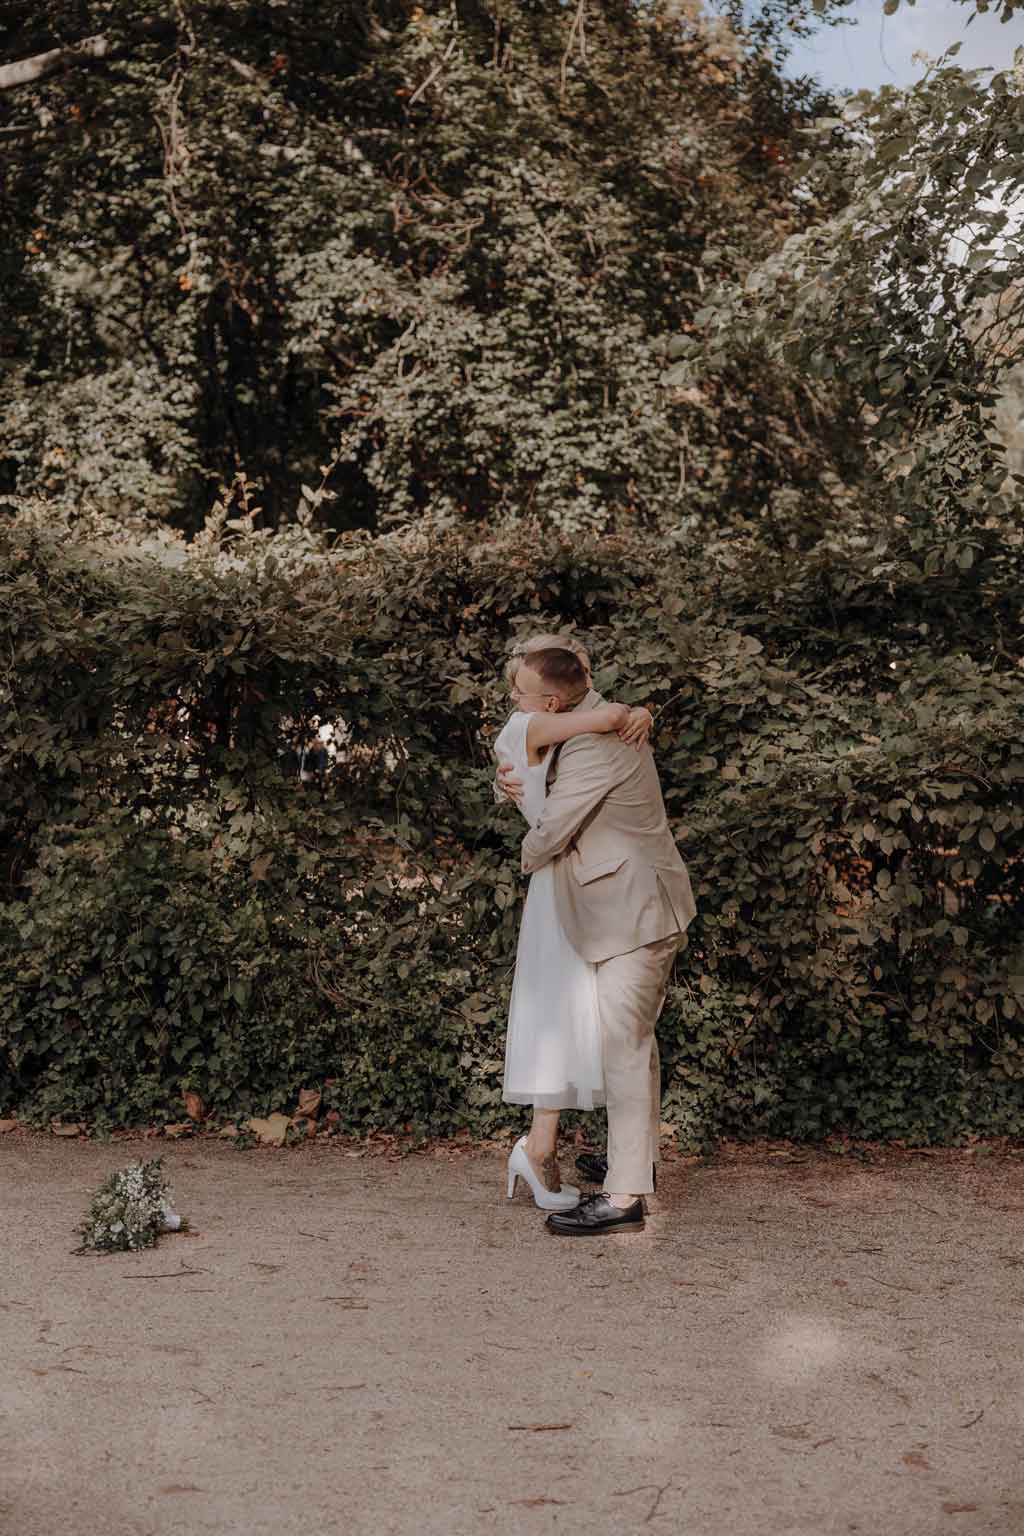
{"x":130,"y":1210}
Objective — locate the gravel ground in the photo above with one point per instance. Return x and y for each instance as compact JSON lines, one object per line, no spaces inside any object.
{"x":799,"y":1344}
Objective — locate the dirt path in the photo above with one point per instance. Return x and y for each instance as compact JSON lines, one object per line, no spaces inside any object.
{"x":795,"y":1347}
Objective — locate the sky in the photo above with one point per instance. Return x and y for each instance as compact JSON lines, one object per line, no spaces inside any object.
{"x":878,"y":50}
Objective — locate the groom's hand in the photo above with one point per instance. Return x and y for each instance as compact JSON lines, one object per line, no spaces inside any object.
{"x":509,"y":784}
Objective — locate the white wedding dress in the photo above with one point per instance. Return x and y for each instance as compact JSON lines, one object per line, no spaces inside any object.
{"x":553,"y":1045}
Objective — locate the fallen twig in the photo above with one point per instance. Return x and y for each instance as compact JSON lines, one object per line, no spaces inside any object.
{"x":172,"y":1274}
{"x":660,"y":1490}
{"x":538,"y":1428}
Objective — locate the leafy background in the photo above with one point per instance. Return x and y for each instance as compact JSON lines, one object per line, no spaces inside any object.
{"x":346,"y":344}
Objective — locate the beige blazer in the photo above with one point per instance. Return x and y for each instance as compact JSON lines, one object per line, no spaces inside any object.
{"x":619,"y":879}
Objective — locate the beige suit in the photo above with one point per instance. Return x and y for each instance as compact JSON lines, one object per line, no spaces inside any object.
{"x":624,"y":899}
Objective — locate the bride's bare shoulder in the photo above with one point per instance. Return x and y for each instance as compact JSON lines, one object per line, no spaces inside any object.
{"x":513,"y":732}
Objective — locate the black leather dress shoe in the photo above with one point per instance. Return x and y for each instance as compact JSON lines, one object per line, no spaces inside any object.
{"x":595,"y":1215}
{"x":594,"y":1168}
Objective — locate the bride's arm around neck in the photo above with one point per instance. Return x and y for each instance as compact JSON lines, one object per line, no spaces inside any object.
{"x":545,"y":730}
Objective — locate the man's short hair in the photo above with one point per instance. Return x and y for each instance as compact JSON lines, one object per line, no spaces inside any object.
{"x":524,"y":648}
{"x":561,"y":669}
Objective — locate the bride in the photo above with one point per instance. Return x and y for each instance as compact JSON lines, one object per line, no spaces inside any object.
{"x":553,"y":1046}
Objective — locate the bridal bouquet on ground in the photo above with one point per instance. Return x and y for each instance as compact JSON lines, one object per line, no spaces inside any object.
{"x":130,"y":1210}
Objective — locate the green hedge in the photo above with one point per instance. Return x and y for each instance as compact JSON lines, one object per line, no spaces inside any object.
{"x":178,"y":914}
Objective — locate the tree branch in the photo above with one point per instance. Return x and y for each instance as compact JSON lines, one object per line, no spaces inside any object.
{"x":25,"y":71}
{"x":418,"y":92}
{"x":246,"y":71}
{"x":577,"y":26}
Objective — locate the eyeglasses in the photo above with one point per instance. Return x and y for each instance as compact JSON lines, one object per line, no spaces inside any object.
{"x":519,"y":693}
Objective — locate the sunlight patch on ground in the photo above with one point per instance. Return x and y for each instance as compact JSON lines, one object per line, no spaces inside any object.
{"x":802,"y":1348}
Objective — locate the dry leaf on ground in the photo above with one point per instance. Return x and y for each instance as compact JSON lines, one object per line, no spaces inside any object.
{"x":271,"y":1131}
{"x":309,"y":1104}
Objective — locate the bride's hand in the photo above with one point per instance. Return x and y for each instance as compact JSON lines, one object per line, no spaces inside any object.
{"x":637,"y":727}
{"x":616,"y":716}
{"x":507,"y":781}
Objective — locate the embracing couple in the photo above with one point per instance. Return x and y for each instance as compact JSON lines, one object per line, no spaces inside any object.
{"x":608,"y":904}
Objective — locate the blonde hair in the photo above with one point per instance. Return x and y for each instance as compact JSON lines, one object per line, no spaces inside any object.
{"x":523,"y":648}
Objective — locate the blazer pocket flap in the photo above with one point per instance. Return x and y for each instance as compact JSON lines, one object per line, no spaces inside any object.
{"x":585,"y":873}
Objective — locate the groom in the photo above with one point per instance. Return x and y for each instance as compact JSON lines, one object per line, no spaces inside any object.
{"x":624,"y":900}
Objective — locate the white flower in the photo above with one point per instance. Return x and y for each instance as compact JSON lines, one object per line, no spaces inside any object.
{"x":130,"y":1210}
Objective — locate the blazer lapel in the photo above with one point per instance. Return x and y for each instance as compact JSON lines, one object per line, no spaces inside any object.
{"x":552,"y":773}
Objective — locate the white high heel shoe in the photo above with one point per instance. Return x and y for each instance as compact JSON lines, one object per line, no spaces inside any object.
{"x":520,"y":1167}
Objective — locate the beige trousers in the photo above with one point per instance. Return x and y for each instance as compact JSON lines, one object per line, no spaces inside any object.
{"x":630,"y":994}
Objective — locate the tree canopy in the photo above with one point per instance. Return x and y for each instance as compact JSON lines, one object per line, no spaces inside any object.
{"x":429,"y":261}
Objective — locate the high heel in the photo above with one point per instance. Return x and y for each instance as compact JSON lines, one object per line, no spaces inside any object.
{"x":520,"y":1167}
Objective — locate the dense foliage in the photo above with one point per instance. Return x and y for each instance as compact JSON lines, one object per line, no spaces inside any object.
{"x":910,"y":298}
{"x":182,"y":914}
{"x":428,"y":259}
{"x":426,"y":326}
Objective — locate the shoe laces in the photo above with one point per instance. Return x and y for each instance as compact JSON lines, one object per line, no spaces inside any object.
{"x":594,"y":1199}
